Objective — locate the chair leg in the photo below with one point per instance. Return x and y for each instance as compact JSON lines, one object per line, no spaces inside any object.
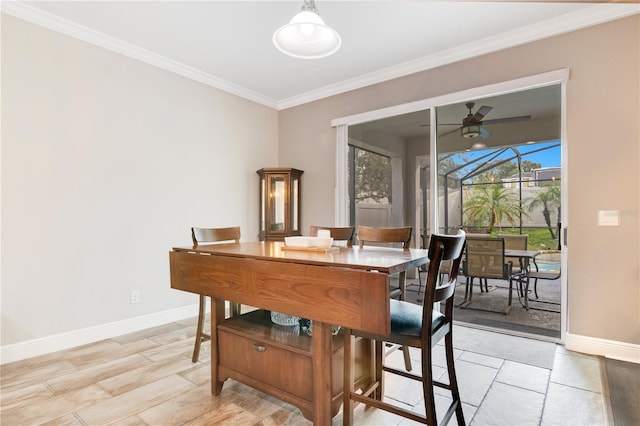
{"x":348,"y":379}
{"x":378,"y":365}
{"x":510,"y":296}
{"x":427,"y":386}
{"x":200,"y":336}
{"x":407,"y":358}
{"x":453,"y":381}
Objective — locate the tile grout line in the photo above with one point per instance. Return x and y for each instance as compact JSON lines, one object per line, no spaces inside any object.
{"x":546,"y":391}
{"x":606,"y":394}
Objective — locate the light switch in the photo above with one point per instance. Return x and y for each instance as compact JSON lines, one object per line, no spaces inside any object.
{"x":608,"y":217}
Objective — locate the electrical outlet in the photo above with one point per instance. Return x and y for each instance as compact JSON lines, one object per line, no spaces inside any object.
{"x":135,"y":296}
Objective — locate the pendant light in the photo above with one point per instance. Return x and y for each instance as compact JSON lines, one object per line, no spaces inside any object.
{"x":306,"y":35}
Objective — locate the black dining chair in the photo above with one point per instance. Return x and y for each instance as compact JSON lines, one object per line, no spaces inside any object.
{"x":419,"y":327}
{"x":211,"y":235}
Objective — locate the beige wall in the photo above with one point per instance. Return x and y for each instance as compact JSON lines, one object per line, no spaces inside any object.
{"x":603,"y":156}
{"x":106,"y":164}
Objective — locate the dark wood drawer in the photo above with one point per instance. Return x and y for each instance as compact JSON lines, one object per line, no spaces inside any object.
{"x":276,"y":360}
{"x":286,"y":370}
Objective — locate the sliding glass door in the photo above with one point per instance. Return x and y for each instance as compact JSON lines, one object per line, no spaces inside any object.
{"x":485,"y":160}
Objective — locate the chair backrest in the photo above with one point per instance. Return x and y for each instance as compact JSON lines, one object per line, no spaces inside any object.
{"x":449,"y":249}
{"x":370,"y":234}
{"x":477,"y":235}
{"x":514,"y":242}
{"x":485,"y":258}
{"x":338,"y":233}
{"x":213,"y":235}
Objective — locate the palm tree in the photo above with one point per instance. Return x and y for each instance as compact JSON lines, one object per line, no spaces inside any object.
{"x":493,"y":204}
{"x":548,"y":199}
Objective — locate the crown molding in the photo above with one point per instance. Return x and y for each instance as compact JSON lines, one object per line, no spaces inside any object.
{"x":593,"y":15}
{"x":80,"y":32}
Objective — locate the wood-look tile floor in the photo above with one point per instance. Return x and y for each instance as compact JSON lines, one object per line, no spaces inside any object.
{"x":147,"y":378}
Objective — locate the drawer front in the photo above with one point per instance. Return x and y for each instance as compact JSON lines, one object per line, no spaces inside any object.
{"x":285,"y":370}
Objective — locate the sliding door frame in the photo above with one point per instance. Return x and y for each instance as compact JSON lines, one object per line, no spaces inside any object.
{"x":560,"y":76}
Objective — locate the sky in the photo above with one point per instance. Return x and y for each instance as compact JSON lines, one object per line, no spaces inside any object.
{"x":545,"y":157}
{"x":548,"y":158}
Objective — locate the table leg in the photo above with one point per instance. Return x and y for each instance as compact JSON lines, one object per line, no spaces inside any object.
{"x":321,"y":372}
{"x":217,"y":316}
{"x":510,"y":296}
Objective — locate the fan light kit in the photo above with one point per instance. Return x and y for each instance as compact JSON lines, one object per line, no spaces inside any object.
{"x":472,"y":123}
{"x":470,"y":131}
{"x":306,"y":36}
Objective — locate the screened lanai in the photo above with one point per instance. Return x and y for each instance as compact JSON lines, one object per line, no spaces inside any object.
{"x":513,"y":189}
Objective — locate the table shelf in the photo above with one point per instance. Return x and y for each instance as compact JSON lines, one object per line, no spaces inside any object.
{"x":277,"y":359}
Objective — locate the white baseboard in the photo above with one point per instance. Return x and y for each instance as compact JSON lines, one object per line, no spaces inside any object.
{"x":58,"y":342}
{"x":607,"y":348}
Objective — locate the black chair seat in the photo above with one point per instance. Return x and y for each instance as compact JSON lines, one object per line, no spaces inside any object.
{"x":406,"y":319}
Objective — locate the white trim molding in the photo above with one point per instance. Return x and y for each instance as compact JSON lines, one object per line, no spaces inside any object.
{"x":622,"y":351}
{"x":62,"y":341}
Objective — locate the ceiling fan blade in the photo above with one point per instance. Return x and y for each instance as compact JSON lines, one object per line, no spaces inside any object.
{"x":449,"y":132}
{"x":441,"y":124}
{"x":506,"y":120}
{"x":484,"y":133}
{"x":482,"y":112}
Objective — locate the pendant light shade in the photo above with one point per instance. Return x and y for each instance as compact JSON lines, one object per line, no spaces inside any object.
{"x":306,"y":35}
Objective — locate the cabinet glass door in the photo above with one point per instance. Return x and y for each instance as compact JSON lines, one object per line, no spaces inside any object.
{"x":277,"y":203}
{"x":295,"y":197}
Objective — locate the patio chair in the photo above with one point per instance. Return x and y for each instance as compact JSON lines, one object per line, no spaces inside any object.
{"x":515,"y":242}
{"x":545,"y":275}
{"x":486,"y":284}
{"x":485,"y":259}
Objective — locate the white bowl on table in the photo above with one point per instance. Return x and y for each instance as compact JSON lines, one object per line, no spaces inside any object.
{"x":323,"y":242}
{"x":308,"y":242}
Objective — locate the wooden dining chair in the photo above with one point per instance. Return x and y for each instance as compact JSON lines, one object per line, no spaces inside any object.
{"x":338,"y":233}
{"x":211,"y":235}
{"x":419,"y":327}
{"x":398,"y":237}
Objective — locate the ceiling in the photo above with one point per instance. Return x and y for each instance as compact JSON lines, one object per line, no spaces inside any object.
{"x":227,"y":44}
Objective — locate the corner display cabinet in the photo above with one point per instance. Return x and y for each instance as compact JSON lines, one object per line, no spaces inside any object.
{"x":279,"y":203}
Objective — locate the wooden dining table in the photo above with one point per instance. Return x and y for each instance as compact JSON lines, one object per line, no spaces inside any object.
{"x":348,"y":287}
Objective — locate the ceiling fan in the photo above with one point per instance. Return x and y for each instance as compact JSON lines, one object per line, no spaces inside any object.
{"x":473,"y":124}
